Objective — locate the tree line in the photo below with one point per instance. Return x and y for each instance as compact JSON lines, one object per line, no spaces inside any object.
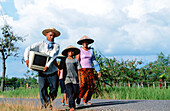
{"x":124,"y":71}
{"x":30,"y":79}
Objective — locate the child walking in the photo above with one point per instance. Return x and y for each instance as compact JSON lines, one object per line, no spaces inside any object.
{"x":71,"y":78}
{"x":62,"y":84}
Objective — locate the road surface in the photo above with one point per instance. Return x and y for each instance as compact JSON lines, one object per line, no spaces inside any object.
{"x":101,"y":104}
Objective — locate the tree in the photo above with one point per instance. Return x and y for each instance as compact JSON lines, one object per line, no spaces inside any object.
{"x":7,"y":48}
{"x":31,"y":78}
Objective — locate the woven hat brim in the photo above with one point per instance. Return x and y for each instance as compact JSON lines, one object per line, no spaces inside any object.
{"x":88,"y":40}
{"x":56,"y":33}
{"x":60,"y":57}
{"x":76,"y":51}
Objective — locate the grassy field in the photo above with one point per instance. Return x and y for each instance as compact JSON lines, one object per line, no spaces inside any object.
{"x":25,"y":93}
{"x":22,"y":93}
{"x":21,"y":107}
{"x":13,"y":107}
{"x":136,"y":93}
{"x":115,"y":93}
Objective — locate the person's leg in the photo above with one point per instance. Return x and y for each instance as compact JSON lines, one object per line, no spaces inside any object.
{"x":42,"y":82}
{"x":70,"y":94}
{"x":64,"y":95}
{"x":65,"y":98}
{"x":82,"y":84}
{"x":62,"y":91}
{"x":76,"y":91}
{"x":53,"y":85}
{"x":90,"y":86}
{"x":88,"y":93}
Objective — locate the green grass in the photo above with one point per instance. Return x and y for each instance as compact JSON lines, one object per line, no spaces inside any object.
{"x":136,"y":93}
{"x":115,"y":93}
{"x":21,"y":93}
{"x":25,"y":93}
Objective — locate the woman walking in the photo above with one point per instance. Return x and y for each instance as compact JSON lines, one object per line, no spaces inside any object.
{"x":86,"y":79}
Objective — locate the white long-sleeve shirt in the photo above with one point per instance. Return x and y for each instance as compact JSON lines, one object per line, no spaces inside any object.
{"x":42,"y":47}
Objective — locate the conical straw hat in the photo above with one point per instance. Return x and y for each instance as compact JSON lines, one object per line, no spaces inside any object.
{"x":75,"y":49}
{"x":60,"y":56}
{"x":85,"y":38}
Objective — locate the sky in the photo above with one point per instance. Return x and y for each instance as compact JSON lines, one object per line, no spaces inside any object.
{"x":120,"y":28}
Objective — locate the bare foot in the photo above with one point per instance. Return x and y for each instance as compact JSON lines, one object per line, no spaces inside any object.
{"x":66,"y":103}
{"x":88,"y":103}
{"x":62,"y":101}
{"x":71,"y":109}
{"x":50,"y":107}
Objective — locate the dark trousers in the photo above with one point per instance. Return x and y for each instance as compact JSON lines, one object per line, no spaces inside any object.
{"x":46,"y":81}
{"x":72,"y":91}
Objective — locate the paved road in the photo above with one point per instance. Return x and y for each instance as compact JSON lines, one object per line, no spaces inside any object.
{"x":102,"y":104}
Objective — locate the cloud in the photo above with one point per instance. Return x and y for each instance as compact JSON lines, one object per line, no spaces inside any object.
{"x":118,"y":27}
{"x":122,"y":27}
{"x":2,"y":0}
{"x":139,"y":8}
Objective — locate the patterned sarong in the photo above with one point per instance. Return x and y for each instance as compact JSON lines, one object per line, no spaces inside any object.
{"x":86,"y":83}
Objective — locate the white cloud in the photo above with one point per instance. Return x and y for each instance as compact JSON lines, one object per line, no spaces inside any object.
{"x":118,"y":27}
{"x":122,"y":27}
{"x":95,"y":7}
{"x":4,"y":19}
{"x":2,"y":0}
{"x":141,"y":7}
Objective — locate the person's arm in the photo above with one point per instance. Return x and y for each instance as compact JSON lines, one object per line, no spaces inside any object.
{"x":58,"y":72}
{"x":79,"y":77}
{"x":53,"y":59}
{"x":95,"y":63}
{"x":79,"y":69}
{"x":33,"y":47}
{"x":46,"y":67}
{"x":78,"y":65}
{"x":78,"y":57}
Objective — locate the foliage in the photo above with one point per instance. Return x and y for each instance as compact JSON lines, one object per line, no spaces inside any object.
{"x":7,"y":48}
{"x":124,"y":71}
{"x":7,"y":42}
{"x":31,"y":78}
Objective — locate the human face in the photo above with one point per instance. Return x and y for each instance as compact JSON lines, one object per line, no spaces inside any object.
{"x":70,"y":53}
{"x":50,"y":36}
{"x":85,"y":44}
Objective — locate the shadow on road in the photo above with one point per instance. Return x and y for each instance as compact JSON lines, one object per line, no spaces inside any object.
{"x":106,"y":104}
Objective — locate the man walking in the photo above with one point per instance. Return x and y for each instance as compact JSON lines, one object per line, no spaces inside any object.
{"x":48,"y":77}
